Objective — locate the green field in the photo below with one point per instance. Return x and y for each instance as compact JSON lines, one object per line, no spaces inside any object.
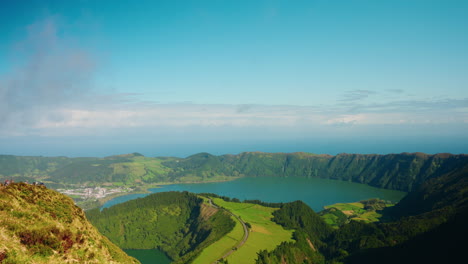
{"x":140,"y":168}
{"x":336,"y":214}
{"x":350,"y":207}
{"x":216,"y":250}
{"x":264,"y":234}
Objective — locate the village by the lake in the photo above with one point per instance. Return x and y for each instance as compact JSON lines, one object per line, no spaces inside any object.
{"x":97,"y":192}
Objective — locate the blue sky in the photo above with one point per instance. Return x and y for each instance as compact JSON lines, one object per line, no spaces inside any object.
{"x":178,"y":77}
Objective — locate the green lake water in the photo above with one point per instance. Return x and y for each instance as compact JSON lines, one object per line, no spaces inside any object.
{"x":315,"y":192}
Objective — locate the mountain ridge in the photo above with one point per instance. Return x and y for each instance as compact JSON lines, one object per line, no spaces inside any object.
{"x":404,"y":171}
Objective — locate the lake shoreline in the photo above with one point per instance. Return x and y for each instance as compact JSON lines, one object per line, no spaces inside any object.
{"x":145,"y":189}
{"x":315,"y":192}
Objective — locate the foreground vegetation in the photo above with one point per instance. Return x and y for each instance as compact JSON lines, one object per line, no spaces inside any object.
{"x":39,"y":225}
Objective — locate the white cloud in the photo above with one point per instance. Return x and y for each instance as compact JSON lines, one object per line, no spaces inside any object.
{"x":51,"y":73}
{"x":115,"y":115}
{"x":346,"y":120}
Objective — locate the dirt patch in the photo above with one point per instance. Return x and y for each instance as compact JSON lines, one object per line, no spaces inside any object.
{"x":260,"y":229}
{"x":311,"y":245}
{"x":348,"y":212}
{"x":207,"y":211}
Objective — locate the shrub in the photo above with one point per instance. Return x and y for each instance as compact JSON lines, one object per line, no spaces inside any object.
{"x":3,"y":255}
{"x":38,"y":236}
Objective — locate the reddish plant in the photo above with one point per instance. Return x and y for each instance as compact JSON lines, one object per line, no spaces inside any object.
{"x":3,"y":255}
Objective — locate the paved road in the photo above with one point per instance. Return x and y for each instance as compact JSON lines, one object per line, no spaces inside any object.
{"x":211,"y":203}
{"x":246,"y":231}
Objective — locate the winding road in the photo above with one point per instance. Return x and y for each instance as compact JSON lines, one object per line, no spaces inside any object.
{"x":246,"y":231}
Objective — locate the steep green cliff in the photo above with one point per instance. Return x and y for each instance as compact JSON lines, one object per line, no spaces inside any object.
{"x":394,"y":171}
{"x":39,"y":225}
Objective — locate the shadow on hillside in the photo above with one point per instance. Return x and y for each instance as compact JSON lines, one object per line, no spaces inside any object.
{"x":444,"y":244}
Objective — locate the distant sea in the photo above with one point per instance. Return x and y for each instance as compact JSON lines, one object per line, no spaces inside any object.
{"x":82,"y":148}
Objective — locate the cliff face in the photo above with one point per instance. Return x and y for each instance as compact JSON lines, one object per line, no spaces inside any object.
{"x":404,"y":171}
{"x":448,"y":191}
{"x":39,"y":225}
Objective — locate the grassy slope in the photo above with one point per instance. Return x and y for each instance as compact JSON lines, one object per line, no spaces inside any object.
{"x":124,"y":169}
{"x":39,"y":225}
{"x":142,"y":169}
{"x":264,"y":234}
{"x":216,"y":250}
{"x":353,"y":211}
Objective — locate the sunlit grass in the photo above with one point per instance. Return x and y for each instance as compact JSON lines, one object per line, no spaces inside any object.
{"x":218,"y":249}
{"x":265,"y":234}
{"x":353,"y":211}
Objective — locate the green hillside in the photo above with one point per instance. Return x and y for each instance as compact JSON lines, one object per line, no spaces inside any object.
{"x":263,"y":232}
{"x":39,"y":225}
{"x":309,"y":231}
{"x":427,"y":226}
{"x":180,"y":224}
{"x":367,"y":211}
{"x":403,"y":172}
{"x":394,"y":171}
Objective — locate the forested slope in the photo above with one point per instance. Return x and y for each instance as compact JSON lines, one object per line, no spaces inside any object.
{"x":394,"y":171}
{"x":427,"y":226}
{"x":310,"y":231}
{"x":180,"y":224}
